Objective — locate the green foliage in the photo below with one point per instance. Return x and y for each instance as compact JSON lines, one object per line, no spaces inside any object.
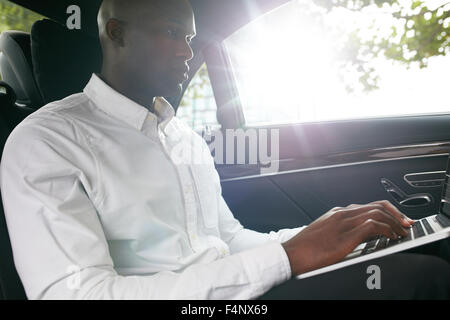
{"x":425,"y":35}
{"x":14,"y":17}
{"x":418,"y":34}
{"x":197,"y":87}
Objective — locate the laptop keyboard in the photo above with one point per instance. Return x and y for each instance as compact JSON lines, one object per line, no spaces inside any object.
{"x":443,"y":220}
{"x":381,"y":242}
{"x":427,"y":226}
{"x":418,"y":229}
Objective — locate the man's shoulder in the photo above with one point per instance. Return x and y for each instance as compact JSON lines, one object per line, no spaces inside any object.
{"x":75,"y":103}
{"x":51,"y":120}
{"x":182,"y":127}
{"x":51,"y":130}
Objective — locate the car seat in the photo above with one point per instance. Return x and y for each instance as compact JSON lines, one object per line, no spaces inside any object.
{"x":47,"y":65}
{"x":16,"y":68}
{"x":10,"y":284}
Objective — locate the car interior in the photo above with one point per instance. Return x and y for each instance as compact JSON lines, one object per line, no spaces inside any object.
{"x":321,"y":164}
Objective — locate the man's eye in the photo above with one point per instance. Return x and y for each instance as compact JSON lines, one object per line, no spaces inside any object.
{"x":172,"y":33}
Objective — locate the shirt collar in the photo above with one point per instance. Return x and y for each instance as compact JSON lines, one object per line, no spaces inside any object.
{"x":125,"y":109}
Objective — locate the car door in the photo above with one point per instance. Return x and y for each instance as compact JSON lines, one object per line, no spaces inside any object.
{"x":317,"y":162}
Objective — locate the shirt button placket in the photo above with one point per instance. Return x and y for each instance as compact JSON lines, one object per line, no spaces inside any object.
{"x":188,"y":194}
{"x":191,"y":206}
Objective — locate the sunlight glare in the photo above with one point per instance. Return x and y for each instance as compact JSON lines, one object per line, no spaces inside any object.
{"x":286,"y":71}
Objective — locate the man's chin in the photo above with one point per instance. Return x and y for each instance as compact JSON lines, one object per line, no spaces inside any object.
{"x":173,"y":91}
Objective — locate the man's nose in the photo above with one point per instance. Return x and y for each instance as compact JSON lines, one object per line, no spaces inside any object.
{"x":185,"y":50}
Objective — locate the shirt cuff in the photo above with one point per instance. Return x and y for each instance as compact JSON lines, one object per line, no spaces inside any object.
{"x":266,"y":266}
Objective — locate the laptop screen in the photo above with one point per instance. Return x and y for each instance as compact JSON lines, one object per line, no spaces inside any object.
{"x":445,"y":199}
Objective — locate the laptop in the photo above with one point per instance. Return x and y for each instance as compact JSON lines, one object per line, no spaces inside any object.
{"x":430,"y":229}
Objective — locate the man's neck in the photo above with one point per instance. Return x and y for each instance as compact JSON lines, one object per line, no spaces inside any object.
{"x":128,"y":90}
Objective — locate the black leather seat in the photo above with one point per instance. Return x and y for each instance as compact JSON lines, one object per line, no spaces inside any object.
{"x":50,"y":64}
{"x":10,"y":284}
{"x":19,"y":98}
{"x":16,"y":68}
{"x":63,"y":60}
{"x":57,"y":63}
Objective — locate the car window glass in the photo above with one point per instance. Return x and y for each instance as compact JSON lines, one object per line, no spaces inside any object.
{"x":198,"y":107}
{"x":320,"y":60}
{"x":14,"y":17}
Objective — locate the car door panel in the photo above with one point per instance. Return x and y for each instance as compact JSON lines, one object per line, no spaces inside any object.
{"x":258,"y":203}
{"x":322,"y":166}
{"x":298,"y":198}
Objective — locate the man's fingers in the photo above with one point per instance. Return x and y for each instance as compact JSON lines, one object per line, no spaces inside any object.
{"x":372,"y":228}
{"x":380,"y":216}
{"x":389,"y":207}
{"x":352,"y":206}
{"x":355,"y":210}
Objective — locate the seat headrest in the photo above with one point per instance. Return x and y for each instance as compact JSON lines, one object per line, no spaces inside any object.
{"x":16,"y":67}
{"x":63,"y":59}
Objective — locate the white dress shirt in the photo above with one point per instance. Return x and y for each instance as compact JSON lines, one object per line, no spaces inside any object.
{"x":104,"y":200}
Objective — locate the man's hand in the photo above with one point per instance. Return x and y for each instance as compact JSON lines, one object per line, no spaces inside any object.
{"x":335,"y":234}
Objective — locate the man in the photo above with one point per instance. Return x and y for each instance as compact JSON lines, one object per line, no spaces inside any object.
{"x":100,"y":206}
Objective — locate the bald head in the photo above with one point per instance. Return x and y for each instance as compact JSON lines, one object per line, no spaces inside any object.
{"x":145,"y":41}
{"x":134,"y":12}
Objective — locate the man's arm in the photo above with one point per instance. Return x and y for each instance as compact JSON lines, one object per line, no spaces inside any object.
{"x":60,"y":248}
{"x":232,"y":232}
{"x":239,"y":238}
{"x":334,"y":235}
{"x":325,"y":241}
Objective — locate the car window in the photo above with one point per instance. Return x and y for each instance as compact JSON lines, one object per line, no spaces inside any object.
{"x":198,"y":107}
{"x":321,"y":60}
{"x":14,"y":17}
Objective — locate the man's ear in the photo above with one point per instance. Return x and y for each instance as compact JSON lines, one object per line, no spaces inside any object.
{"x":115,"y":31}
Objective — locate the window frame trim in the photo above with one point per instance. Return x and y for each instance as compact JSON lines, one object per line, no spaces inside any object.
{"x":229,"y":105}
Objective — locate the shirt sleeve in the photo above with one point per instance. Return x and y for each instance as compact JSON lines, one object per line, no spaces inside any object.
{"x":59,"y":246}
{"x":239,"y":238}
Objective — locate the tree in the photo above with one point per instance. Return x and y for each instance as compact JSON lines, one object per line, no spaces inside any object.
{"x":418,"y":32}
{"x":14,"y":17}
{"x":197,"y":86}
